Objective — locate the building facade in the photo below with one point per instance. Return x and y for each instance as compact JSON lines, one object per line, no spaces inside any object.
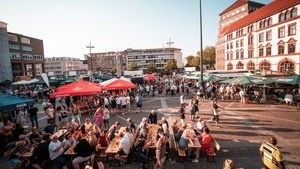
{"x":27,"y":56}
{"x":266,"y":39}
{"x":65,"y":66}
{"x":229,"y":16}
{"x":159,"y":56}
{"x":5,"y":64}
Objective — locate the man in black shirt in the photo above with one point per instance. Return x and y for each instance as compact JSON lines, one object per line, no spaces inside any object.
{"x":35,"y":134}
{"x":40,"y":152}
{"x":33,"y":116}
{"x":152,"y":117}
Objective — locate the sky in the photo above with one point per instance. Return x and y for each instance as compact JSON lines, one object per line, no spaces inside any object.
{"x":68,"y":26}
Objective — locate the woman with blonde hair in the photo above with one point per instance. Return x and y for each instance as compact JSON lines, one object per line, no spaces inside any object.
{"x":92,"y":139}
{"x":96,"y":130}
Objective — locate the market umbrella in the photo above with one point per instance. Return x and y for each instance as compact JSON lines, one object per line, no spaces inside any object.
{"x":78,"y":89}
{"x":213,"y":78}
{"x":293,"y":80}
{"x":6,"y":82}
{"x":41,"y":81}
{"x":108,"y":82}
{"x":21,"y":82}
{"x":8,"y":102}
{"x":151,"y":77}
{"x":119,"y":84}
{"x":246,"y":80}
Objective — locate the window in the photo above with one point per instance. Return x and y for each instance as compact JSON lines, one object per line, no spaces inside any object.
{"x":265,"y":66}
{"x":227,"y":56}
{"x":38,"y":57}
{"x":237,"y":55}
{"x":250,"y":40}
{"x":261,"y":52}
{"x":229,"y":66}
{"x":286,"y":66}
{"x":269,"y":35}
{"x":292,"y":29}
{"x":242,"y":42}
{"x":280,"y":49}
{"x":251,"y":66}
{"x":231,"y":56}
{"x":261,"y":37}
{"x":250,"y":54}
{"x":237,"y":44}
{"x":291,"y":48}
{"x":239,"y":65}
{"x":281,"y":17}
{"x":281,"y":32}
{"x":242,"y":54}
{"x":27,"y":56}
{"x":294,"y":12}
{"x":16,"y":47}
{"x":269,"y":51}
{"x":15,"y":55}
{"x":26,"y":48}
{"x":227,"y":46}
{"x":269,"y":21}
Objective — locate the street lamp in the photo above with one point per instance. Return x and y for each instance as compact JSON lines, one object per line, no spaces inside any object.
{"x":201,"y":50}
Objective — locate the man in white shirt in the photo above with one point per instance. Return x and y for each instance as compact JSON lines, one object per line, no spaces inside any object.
{"x":124,"y":146}
{"x":56,"y":150}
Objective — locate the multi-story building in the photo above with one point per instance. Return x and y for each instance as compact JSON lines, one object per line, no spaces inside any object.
{"x":106,"y":62}
{"x":229,"y":16}
{"x":26,"y":54}
{"x":5,"y":64}
{"x":160,"y":56}
{"x":63,"y":66}
{"x":266,"y":39}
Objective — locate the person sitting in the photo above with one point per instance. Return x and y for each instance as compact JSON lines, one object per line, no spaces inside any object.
{"x":92,"y":139}
{"x":144,"y":123}
{"x":199,"y":126}
{"x":68,"y":140}
{"x":40,"y":152}
{"x":35,"y":134}
{"x":112,"y":130}
{"x":102,"y":142}
{"x":178,"y":135}
{"x":83,"y":151}
{"x":15,"y":156}
{"x":124,"y":147}
{"x":164,"y":121}
{"x":184,"y":141}
{"x":131,"y":125}
{"x":23,"y":137}
{"x":206,"y":140}
{"x":18,"y":130}
{"x":152,"y":117}
{"x":88,"y":125}
{"x":56,"y":151}
{"x":141,"y":139}
{"x":50,"y":128}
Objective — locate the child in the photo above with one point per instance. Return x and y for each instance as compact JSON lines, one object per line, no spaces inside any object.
{"x":216,"y":112}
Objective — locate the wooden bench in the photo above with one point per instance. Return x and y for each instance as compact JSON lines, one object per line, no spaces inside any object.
{"x":181,"y":153}
{"x":210,"y":157}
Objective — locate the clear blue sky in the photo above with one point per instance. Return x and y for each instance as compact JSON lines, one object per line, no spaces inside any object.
{"x":67,"y":26}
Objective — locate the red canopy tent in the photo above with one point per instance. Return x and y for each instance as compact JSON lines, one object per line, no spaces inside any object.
{"x":118,"y":84}
{"x":77,"y":83}
{"x":151,"y":77}
{"x":78,"y":88}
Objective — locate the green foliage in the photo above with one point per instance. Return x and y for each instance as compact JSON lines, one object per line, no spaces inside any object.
{"x":170,"y":65}
{"x":132,"y":66}
{"x":152,"y":67}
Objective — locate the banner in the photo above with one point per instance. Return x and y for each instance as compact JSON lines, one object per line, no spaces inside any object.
{"x":45,"y":78}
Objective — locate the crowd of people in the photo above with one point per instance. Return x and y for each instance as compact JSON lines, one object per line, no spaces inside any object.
{"x":91,"y":137}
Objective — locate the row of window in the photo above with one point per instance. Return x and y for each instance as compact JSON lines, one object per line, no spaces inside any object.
{"x":240,"y":54}
{"x":288,"y":14}
{"x":284,"y":66}
{"x":25,"y":56}
{"x":17,"y":47}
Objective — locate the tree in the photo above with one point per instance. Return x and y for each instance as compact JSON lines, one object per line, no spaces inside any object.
{"x":170,"y":65}
{"x":192,"y":61}
{"x":152,"y":67}
{"x":132,"y":66}
{"x":209,"y":57}
{"x":113,"y":69}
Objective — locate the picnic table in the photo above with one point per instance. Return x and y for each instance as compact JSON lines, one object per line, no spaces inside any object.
{"x":152,"y":133}
{"x":28,"y":153}
{"x":60,"y":132}
{"x":193,"y":142}
{"x":70,"y":151}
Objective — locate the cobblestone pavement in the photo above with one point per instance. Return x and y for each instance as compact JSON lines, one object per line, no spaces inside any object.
{"x":243,"y":128}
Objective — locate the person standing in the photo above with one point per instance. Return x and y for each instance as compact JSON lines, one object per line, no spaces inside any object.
{"x":181,"y":112}
{"x":32,"y":112}
{"x":152,"y":117}
{"x":139,"y":103}
{"x":270,"y":155}
{"x":161,"y":148}
{"x":98,"y":116}
{"x":50,"y":114}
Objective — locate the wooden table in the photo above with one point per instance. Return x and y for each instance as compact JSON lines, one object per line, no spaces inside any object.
{"x":70,"y":151}
{"x":60,"y":132}
{"x":193,"y":142}
{"x":113,"y":146}
{"x":152,"y":133}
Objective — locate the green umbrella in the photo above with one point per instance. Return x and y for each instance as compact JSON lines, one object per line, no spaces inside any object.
{"x":69,"y":80}
{"x":293,"y":80}
{"x":246,"y":80}
{"x":213,"y":78}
